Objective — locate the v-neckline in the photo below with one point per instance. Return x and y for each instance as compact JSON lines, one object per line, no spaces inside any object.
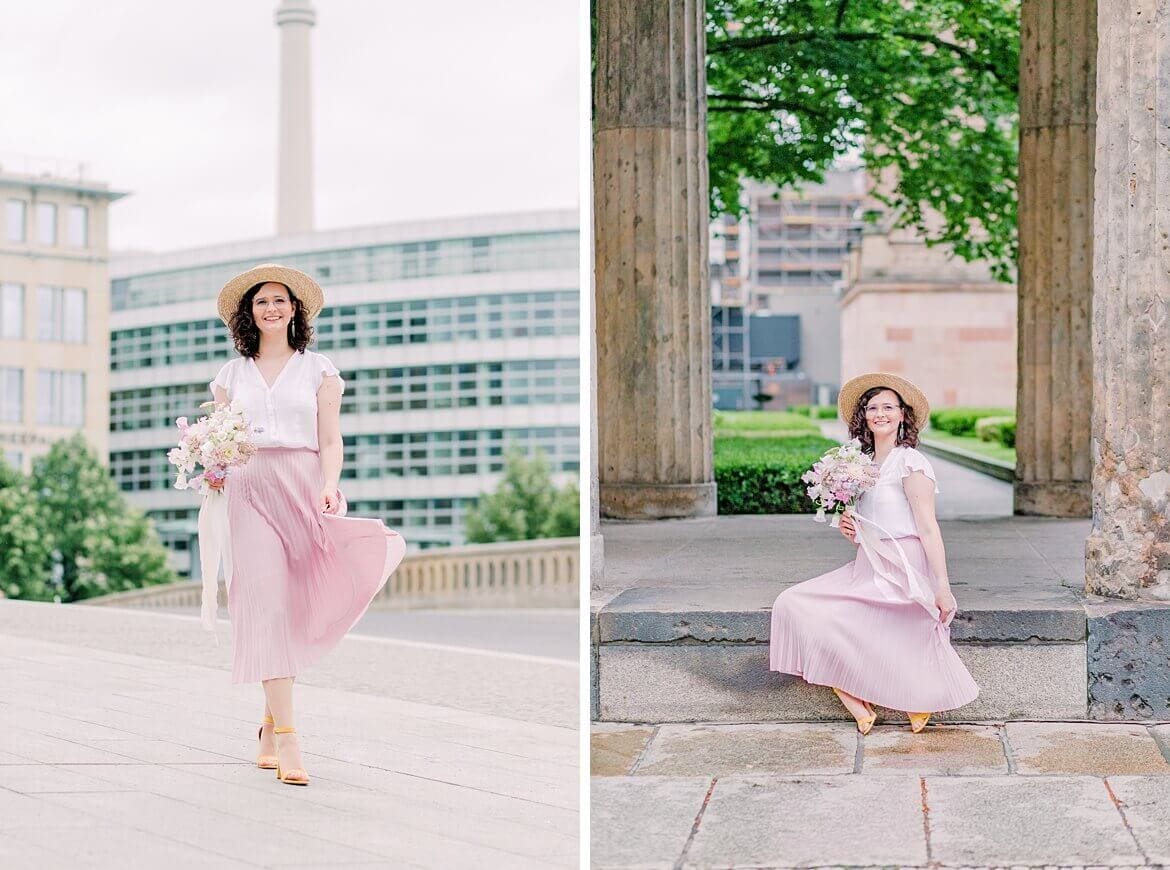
{"x":882,"y":467}
{"x":267,"y":386}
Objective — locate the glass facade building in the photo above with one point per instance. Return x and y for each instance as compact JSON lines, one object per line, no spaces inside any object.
{"x":456,"y":340}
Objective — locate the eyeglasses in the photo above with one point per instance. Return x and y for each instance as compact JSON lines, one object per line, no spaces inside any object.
{"x":871,"y":410}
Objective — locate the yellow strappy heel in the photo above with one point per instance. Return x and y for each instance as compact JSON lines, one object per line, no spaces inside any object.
{"x":266,"y":762}
{"x":865,"y":723}
{"x":918,"y":721}
{"x":290,"y":777}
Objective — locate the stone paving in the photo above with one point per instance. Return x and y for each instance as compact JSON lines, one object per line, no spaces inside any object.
{"x":124,"y":743}
{"x":1019,"y":794}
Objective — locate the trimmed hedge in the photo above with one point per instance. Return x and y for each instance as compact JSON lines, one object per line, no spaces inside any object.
{"x":991,"y":428}
{"x":763,"y":421}
{"x":961,"y":421}
{"x":816,"y":412}
{"x":762,"y":475}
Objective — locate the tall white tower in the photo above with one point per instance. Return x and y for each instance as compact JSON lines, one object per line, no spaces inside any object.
{"x":294,"y":189}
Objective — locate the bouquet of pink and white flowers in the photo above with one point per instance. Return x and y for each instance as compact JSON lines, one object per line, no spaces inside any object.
{"x":218,"y":442}
{"x":839,"y":479}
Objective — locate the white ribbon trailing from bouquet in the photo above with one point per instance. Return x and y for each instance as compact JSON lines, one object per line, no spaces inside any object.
{"x":215,"y":549}
{"x":882,"y":552}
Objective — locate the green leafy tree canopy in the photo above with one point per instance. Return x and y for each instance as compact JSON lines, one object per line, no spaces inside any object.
{"x":526,"y":505}
{"x":99,"y":541}
{"x":925,"y":93}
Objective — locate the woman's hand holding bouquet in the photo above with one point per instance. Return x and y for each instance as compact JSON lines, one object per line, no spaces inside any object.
{"x":218,"y":442}
{"x":837,"y":481}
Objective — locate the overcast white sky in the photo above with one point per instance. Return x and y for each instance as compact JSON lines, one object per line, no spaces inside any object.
{"x":421,"y":109}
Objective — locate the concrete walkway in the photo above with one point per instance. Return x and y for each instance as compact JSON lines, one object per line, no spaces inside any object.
{"x":125,"y":744}
{"x":1024,"y":794}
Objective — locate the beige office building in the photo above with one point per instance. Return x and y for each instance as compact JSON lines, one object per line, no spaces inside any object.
{"x":54,"y":311}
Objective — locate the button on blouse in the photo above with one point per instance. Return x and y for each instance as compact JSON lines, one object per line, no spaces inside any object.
{"x":886,"y":503}
{"x":284,"y":414}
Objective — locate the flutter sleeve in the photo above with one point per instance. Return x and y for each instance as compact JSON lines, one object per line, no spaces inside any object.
{"x":914,"y":461}
{"x":325,"y":368}
{"x":223,"y":379}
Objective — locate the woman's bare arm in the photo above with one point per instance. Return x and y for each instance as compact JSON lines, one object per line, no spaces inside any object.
{"x":919,"y":491}
{"x":329,"y":431}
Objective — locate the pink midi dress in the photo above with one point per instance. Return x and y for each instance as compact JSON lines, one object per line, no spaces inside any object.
{"x":870,"y":627}
{"x":301,"y":578}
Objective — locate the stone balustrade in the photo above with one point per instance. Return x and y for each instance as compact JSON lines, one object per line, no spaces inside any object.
{"x":542,"y":573}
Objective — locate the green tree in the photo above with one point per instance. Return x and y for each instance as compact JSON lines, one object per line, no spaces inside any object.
{"x":526,"y":504}
{"x":25,"y":563}
{"x":924,"y":92}
{"x":100,"y":543}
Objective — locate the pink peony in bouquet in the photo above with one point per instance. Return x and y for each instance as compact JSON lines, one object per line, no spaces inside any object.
{"x":839,"y":479}
{"x":218,"y":442}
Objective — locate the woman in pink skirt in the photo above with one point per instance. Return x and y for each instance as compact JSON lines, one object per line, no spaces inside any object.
{"x":878,"y":629}
{"x":302,"y":573}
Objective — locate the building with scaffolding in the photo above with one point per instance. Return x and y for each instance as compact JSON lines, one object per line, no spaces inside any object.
{"x":776,"y":279}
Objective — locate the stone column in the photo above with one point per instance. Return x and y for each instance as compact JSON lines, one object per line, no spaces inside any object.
{"x":652,"y":293}
{"x":294,"y":188}
{"x":1058,"y":43}
{"x":1128,"y":550}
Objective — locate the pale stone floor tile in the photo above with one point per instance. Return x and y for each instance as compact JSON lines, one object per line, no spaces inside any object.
{"x":1090,"y":748}
{"x":937,"y":750}
{"x":22,"y":812}
{"x":31,"y":779}
{"x":759,"y":821}
{"x":256,"y":796}
{"x":158,"y":751}
{"x":22,"y":855}
{"x":723,"y":750}
{"x":1145,"y":802}
{"x":202,"y":828}
{"x":1019,"y":820}
{"x":117,"y":846}
{"x":642,"y":822}
{"x":613,"y":749}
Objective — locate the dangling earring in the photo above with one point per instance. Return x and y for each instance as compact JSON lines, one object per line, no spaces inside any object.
{"x":292,"y":329}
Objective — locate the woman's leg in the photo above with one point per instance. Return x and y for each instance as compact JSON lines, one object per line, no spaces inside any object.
{"x":857,"y":707}
{"x":280,"y":702}
{"x":267,"y":741}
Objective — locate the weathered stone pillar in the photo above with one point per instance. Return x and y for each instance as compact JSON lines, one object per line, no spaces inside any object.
{"x":1058,"y":62}
{"x":652,"y":294}
{"x":1128,"y":551}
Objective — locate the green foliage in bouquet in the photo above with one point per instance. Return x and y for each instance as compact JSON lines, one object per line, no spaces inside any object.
{"x":762,"y":475}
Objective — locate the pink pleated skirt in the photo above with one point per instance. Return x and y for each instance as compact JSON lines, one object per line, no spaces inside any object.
{"x":840,"y":630}
{"x":301,"y":578}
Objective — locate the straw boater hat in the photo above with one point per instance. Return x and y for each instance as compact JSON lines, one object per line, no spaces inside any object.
{"x":307,"y":290}
{"x":856,"y":387}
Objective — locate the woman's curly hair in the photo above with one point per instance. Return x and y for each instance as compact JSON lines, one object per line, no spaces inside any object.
{"x":907,"y":432}
{"x":246,"y":334}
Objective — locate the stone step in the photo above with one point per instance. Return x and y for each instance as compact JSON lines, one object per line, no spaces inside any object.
{"x":694,"y":654}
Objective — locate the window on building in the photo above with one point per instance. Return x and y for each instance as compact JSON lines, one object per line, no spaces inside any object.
{"x":11,"y":395}
{"x":61,"y":314}
{"x":15,"y":458}
{"x":47,"y":223}
{"x":11,"y":311}
{"x":60,"y":398}
{"x":77,"y":226}
{"x":15,"y":216}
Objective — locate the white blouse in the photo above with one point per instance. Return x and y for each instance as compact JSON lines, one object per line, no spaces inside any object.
{"x":285,"y":414}
{"x":886,"y":503}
